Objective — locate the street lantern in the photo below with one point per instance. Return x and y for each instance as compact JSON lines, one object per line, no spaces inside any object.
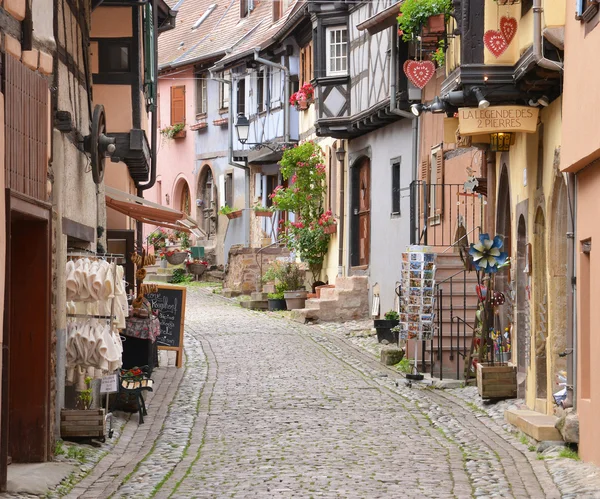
{"x":500,"y":141}
{"x":242,"y":126}
{"x":340,"y":153}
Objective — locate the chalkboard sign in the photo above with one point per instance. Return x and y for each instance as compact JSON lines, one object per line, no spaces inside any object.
{"x":169,"y":302}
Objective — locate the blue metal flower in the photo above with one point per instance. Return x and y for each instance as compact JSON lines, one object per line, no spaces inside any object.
{"x":486,"y":253}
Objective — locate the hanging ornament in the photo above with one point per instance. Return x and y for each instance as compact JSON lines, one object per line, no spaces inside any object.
{"x":508,"y":28}
{"x":419,"y":72}
{"x":497,"y":299}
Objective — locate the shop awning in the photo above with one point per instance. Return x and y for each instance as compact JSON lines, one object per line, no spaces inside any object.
{"x":380,"y":21}
{"x":150,"y":213}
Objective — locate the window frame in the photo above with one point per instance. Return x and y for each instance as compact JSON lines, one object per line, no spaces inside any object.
{"x":201,"y":95}
{"x":396,"y":166}
{"x":104,"y":46}
{"x":228,"y":194}
{"x":224,"y":91}
{"x":244,"y":8}
{"x":328,"y":70}
{"x":240,"y":97}
{"x":260,"y":91}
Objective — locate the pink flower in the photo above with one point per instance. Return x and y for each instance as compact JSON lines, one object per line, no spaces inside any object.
{"x":294,"y":178}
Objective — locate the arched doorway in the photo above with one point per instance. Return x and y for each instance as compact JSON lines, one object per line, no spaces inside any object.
{"x":207,"y":194}
{"x":182,"y":199}
{"x":523,"y":314}
{"x":540,"y":288}
{"x":502,"y":280}
{"x":360,"y":245}
{"x":557,"y":268}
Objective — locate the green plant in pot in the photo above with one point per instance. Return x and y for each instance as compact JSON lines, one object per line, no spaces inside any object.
{"x":416,"y":14}
{"x":288,"y":279}
{"x":384,"y":327}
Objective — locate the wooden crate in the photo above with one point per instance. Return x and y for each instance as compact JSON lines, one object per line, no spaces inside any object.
{"x":81,"y":424}
{"x":497,"y":382}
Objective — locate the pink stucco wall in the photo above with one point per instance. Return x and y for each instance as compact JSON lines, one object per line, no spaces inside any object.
{"x":176,"y":157}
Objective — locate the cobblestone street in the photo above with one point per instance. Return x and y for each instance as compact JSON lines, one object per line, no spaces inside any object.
{"x":269,"y":408}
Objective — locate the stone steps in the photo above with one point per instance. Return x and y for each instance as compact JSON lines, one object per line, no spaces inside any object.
{"x":538,"y":426}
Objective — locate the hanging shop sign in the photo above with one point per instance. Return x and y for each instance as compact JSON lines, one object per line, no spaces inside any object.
{"x":474,"y":121}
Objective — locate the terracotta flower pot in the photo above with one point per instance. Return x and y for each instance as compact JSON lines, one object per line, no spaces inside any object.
{"x":263,"y":213}
{"x":436,"y":24}
{"x":180,"y":134}
{"x":177,"y":258}
{"x":330,"y":229}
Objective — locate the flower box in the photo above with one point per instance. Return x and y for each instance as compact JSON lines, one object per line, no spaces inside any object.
{"x":234,"y":214}
{"x":198,"y":127}
{"x":221,"y":122}
{"x":330,"y":229}
{"x":177,"y":258}
{"x":263,"y":213}
{"x":180,"y":134}
{"x":82,"y":423}
{"x":435,"y":24}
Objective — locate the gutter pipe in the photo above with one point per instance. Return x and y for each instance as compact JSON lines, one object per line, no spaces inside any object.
{"x":538,"y":50}
{"x":394,"y":108}
{"x":342,"y":215}
{"x":153,"y":149}
{"x":571,"y":343}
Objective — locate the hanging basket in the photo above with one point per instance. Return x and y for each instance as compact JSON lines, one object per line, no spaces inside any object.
{"x":197,"y":268}
{"x":177,"y":258}
{"x":234,"y":214}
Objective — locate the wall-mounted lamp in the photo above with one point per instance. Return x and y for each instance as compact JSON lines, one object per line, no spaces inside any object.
{"x":242,"y":127}
{"x":437,"y":106}
{"x":482,"y":102}
{"x":500,"y":141}
{"x":340,"y":153}
{"x":416,"y":109}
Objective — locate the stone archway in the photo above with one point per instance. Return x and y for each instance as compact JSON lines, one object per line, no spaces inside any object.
{"x":523,"y":313}
{"x":182,"y":199}
{"x":540,"y":304}
{"x":557,"y":283}
{"x":206,"y":210}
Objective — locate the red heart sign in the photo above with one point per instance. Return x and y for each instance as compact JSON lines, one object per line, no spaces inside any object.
{"x":495,"y":42}
{"x":419,"y":72}
{"x":508,"y":28}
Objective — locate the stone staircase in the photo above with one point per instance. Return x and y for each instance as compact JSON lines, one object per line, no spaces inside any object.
{"x":156,"y":273}
{"x":347,"y":300}
{"x":257,"y":301}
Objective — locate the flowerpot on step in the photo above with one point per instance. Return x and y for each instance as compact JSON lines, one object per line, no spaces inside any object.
{"x":384,"y":330}
{"x":436,"y":24}
{"x":275,"y":305}
{"x":295,"y":299}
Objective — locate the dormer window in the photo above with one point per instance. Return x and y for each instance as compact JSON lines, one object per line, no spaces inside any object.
{"x":244,"y":11}
{"x":279,"y":7}
{"x":336,"y":46}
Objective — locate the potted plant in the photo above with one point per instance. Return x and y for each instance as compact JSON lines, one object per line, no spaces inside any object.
{"x":302,"y":166}
{"x":230,"y":213}
{"x":303,"y":98}
{"x":439,"y":56}
{"x":176,"y":131}
{"x":288,"y":280}
{"x":384,"y":327}
{"x":262,"y":211}
{"x":328,"y":223}
{"x":83,"y":421}
{"x":183,"y":238}
{"x":175,"y":257}
{"x":415,"y":16}
{"x":197,"y":267}
{"x":276,"y":302}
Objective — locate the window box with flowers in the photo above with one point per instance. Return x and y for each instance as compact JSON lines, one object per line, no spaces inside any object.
{"x":303,"y":98}
{"x":230,"y":213}
{"x":262,"y":211}
{"x":423,"y":18}
{"x":176,"y":131}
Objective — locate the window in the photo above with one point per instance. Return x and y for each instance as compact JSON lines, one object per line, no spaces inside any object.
{"x":229,"y":190}
{"x":271,"y":184}
{"x":436,"y":189}
{"x":260,"y":91}
{"x":279,"y":7}
{"x":114,"y":56}
{"x":201,"y":98}
{"x":396,"y":188}
{"x":306,"y":64}
{"x":337,"y":50}
{"x":241,"y":97}
{"x":586,"y":10}
{"x":275,"y":86}
{"x":243,"y":8}
{"x":224,"y":91}
{"x":177,"y":105}
{"x":332,"y":180}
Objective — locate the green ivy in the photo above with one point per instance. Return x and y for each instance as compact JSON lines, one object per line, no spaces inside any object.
{"x":414,"y":14}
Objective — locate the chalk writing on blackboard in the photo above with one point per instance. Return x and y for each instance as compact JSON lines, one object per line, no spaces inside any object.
{"x":168,"y":302}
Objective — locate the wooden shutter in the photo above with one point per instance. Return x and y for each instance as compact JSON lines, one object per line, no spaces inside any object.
{"x":439,"y":180}
{"x":177,"y":105}
{"x":309,"y":59}
{"x":425,"y":179}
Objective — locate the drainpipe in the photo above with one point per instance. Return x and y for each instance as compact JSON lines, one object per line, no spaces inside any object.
{"x":538,"y":44}
{"x":394,"y":109}
{"x":571,"y":351}
{"x":342,"y":214}
{"x":286,"y":104}
{"x":490,"y":222}
{"x":153,"y":151}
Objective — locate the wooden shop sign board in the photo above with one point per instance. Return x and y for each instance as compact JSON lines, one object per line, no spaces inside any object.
{"x":474,"y":121}
{"x":169,"y":302}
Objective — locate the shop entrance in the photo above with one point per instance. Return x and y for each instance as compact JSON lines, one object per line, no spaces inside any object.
{"x":25,"y":435}
{"x":540,"y":286}
{"x":361,"y":213}
{"x":523,"y":328}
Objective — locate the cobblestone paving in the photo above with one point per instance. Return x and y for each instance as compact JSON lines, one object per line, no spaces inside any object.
{"x":269,"y":408}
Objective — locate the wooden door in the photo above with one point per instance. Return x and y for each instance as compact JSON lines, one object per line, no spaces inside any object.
{"x":364,"y":212}
{"x":122,"y":242}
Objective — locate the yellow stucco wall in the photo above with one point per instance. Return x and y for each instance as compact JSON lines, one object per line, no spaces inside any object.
{"x":522,"y":164}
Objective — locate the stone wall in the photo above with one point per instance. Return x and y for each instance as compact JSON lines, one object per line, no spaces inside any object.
{"x":243,"y":271}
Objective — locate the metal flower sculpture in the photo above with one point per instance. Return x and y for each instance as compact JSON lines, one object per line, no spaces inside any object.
{"x":486,"y":254}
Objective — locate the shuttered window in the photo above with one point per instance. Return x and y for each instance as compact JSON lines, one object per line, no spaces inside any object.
{"x":396,"y":188}
{"x":229,"y":190}
{"x":177,"y":105}
{"x":424,"y":176}
{"x":439,"y":180}
{"x":201,"y":95}
{"x":306,"y":64}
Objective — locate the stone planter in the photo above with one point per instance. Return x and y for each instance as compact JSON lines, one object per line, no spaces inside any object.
{"x":234,"y":214}
{"x":177,"y":258}
{"x":384,"y":330}
{"x":295,"y":299}
{"x":275,"y":305}
{"x":196,"y":268}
